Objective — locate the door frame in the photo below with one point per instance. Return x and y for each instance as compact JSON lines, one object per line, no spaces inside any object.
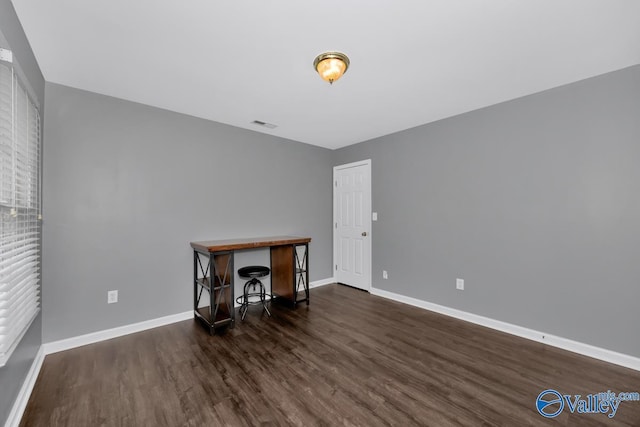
{"x":368,"y":219}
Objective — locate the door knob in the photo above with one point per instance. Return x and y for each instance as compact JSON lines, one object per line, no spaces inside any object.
{"x":364,"y":233}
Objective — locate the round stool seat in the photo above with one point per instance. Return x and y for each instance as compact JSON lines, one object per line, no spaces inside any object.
{"x":254,"y":271}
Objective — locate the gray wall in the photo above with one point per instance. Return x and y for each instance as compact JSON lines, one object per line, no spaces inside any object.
{"x":13,"y":374}
{"x":534,"y":202}
{"x":128,"y":186}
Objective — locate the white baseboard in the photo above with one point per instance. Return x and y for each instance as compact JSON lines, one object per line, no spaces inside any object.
{"x":69,"y":343}
{"x":25,"y":391}
{"x":542,"y":337}
{"x":318,"y":283}
{"x":566,"y":344}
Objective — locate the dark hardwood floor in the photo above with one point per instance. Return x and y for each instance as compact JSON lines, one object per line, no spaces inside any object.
{"x":349,"y":358}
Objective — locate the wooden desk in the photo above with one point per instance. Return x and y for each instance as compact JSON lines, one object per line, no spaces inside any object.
{"x":213,"y":275}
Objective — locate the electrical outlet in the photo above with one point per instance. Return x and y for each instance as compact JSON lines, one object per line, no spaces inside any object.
{"x":460,"y":284}
{"x":384,"y":274}
{"x":112,"y":297}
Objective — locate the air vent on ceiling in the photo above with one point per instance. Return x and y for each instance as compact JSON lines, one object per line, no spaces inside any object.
{"x":264,"y":124}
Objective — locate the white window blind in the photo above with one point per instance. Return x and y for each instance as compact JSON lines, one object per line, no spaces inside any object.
{"x":19,"y":211}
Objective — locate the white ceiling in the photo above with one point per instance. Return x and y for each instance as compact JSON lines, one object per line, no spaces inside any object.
{"x":412,"y":62}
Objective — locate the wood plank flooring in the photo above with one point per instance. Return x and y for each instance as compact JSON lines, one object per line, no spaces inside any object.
{"x":349,"y":359}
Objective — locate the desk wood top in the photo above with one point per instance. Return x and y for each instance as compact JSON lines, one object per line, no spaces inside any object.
{"x":247,"y":243}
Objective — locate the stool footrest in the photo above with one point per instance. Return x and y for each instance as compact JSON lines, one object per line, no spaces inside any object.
{"x":254,"y":302}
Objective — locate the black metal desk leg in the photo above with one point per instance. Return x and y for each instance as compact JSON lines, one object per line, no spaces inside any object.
{"x":301,"y":272}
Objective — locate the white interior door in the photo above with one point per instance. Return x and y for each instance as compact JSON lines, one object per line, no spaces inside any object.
{"x":352,"y":224}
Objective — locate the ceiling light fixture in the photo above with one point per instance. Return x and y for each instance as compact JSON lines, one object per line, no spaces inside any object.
{"x":331,"y":65}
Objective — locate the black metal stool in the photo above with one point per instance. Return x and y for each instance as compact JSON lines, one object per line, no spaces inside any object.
{"x":252,"y":273}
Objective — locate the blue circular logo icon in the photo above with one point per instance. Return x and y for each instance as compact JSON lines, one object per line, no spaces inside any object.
{"x":547,"y":401}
